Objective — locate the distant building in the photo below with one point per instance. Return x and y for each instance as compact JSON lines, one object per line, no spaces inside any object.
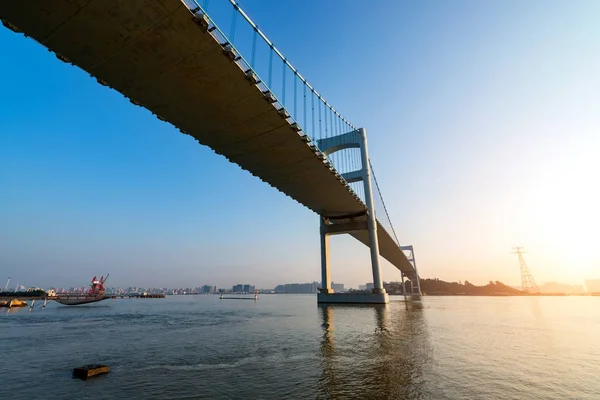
{"x":362,"y":287}
{"x":370,"y":286}
{"x":239,"y":288}
{"x":393,"y":287}
{"x":297,"y":288}
{"x":243,"y":288}
{"x":556,"y":287}
{"x":207,"y":289}
{"x":337,"y":287}
{"x":593,"y":285}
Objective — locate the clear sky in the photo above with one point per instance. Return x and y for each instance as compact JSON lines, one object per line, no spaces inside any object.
{"x":484,"y":129}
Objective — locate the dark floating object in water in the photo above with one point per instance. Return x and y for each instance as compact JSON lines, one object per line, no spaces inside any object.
{"x":87,"y":371}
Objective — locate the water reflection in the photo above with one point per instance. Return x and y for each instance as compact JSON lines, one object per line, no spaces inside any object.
{"x":13,"y":310}
{"x":328,"y":381}
{"x":385,"y":357}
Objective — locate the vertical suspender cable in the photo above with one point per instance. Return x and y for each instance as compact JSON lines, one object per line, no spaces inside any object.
{"x":331,"y":125}
{"x":312,"y":99}
{"x":342,"y":158}
{"x":304,"y":107}
{"x":295,"y":96}
{"x":339,"y":123}
{"x":334,"y":133}
{"x":271,"y":69}
{"x":233,"y":23}
{"x":320,"y":125}
{"x":253,"y":57}
{"x":325,"y":120}
{"x":332,"y":130}
{"x":283,"y":83}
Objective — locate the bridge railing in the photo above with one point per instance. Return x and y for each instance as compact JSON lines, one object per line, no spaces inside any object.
{"x":274,"y":73}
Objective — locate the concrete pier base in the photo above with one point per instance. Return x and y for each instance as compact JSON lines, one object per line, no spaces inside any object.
{"x":353,"y":298}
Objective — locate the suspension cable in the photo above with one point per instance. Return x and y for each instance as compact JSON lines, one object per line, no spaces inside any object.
{"x":383,"y":202}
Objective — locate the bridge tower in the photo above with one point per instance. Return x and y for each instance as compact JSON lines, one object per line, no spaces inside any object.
{"x":332,"y":225}
{"x":415,"y":289}
{"x":527,"y":282}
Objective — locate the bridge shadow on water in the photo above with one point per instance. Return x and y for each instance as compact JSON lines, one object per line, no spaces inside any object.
{"x":386,"y":358}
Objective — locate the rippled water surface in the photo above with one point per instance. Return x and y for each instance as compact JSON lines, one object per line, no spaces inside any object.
{"x":285,"y":346}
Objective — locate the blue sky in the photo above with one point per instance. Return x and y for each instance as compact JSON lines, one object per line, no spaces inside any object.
{"x":483,"y":128}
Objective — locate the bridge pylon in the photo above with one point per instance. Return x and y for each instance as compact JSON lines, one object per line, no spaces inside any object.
{"x":415,"y":282}
{"x":365,"y":220}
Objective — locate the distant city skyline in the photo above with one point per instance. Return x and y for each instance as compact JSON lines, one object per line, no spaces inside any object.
{"x":483,"y":129}
{"x":591,"y":285}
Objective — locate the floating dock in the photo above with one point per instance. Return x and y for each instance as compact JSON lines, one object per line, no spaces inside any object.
{"x":147,"y":296}
{"x":239,"y":298}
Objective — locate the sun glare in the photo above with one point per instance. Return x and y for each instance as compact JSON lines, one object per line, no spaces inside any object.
{"x":565,"y":217}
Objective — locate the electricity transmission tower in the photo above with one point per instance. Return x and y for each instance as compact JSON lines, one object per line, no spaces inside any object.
{"x":527,"y":282}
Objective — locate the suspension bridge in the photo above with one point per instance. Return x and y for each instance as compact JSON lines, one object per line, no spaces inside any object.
{"x":207,"y":69}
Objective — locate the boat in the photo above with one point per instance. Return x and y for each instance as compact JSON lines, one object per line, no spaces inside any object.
{"x":17,"y":303}
{"x":70,"y":299}
{"x":13,"y":303}
{"x":96,"y":293}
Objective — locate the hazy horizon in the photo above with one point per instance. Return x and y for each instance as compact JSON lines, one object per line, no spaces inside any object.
{"x":483,"y":129}
{"x":542,"y":285}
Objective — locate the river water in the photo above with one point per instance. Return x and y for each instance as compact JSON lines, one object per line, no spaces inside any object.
{"x":285,"y":346}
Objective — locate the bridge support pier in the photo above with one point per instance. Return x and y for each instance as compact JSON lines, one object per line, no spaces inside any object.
{"x":344,"y":224}
{"x":325,"y":273}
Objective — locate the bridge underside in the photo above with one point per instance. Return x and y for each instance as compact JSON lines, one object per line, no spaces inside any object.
{"x":153,"y":52}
